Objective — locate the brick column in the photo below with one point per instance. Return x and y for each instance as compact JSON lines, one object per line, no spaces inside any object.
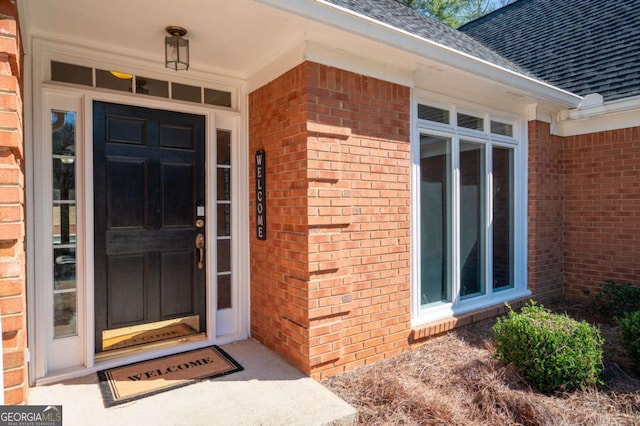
{"x":330,"y":287}
{"x":12,"y":212}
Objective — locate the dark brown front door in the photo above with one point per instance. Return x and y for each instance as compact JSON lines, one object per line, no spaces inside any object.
{"x":149,"y":190}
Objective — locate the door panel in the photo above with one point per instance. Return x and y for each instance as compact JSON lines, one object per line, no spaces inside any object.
{"x":177,"y":268}
{"x":126,"y":290}
{"x":126,"y":193}
{"x":149,"y":178}
{"x":177,"y":198}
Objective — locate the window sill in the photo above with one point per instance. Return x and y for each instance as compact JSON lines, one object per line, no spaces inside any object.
{"x":440,"y":326}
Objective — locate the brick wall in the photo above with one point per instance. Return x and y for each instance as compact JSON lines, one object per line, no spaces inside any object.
{"x":12,"y":229}
{"x":279,"y":268}
{"x":602,"y":210}
{"x":330,"y":287}
{"x":546,"y":213}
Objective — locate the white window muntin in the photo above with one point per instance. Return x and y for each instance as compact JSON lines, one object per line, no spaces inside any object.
{"x":423,"y":314}
{"x":48,"y":95}
{"x":455,"y":106}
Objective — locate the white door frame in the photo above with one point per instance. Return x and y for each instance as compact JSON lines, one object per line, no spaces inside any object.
{"x":47,"y":95}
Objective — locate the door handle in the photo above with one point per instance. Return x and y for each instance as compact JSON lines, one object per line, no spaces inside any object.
{"x":200,"y":247}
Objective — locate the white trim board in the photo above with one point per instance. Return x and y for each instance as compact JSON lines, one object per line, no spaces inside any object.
{"x":81,"y":100}
{"x":402,"y":41}
{"x":619,"y":114}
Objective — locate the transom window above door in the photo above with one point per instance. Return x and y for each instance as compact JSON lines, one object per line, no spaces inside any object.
{"x":133,"y":83}
{"x":469,"y":204}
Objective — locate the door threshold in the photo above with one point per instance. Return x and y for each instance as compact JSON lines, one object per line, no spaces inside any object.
{"x":118,"y":353}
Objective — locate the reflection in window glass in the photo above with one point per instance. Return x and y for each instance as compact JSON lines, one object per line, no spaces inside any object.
{"x":114,"y":80}
{"x":504,"y":129}
{"x":503,"y":235}
{"x":470,"y":122}
{"x":223,"y":218}
{"x":435,"y":217}
{"x":224,"y":183}
{"x":223,"y":148}
{"x":152,"y":87}
{"x":217,"y":97}
{"x":64,"y":268}
{"x":426,"y":112}
{"x":63,"y":139}
{"x":128,"y":82}
{"x":69,"y":73}
{"x":64,"y":224}
{"x":64,"y":307}
{"x":64,"y":178}
{"x":185,"y":92}
{"x":224,"y":291}
{"x":63,"y":126}
{"x":472,"y":219}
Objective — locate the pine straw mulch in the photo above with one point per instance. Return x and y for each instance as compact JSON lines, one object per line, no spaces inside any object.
{"x":455,"y":380}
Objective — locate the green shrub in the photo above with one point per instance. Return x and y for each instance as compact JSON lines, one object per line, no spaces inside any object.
{"x":616,"y":300}
{"x":630,"y":337}
{"x":550,"y":351}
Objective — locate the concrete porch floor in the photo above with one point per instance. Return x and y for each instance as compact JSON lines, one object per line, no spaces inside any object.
{"x":268,"y":392}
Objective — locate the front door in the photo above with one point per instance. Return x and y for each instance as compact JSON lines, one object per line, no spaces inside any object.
{"x":149,"y":204}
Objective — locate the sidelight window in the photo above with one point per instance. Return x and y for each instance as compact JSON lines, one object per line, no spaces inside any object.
{"x":63,"y":128}
{"x":223,"y":205}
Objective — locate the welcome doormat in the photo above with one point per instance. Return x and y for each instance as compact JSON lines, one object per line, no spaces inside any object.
{"x":142,"y":379}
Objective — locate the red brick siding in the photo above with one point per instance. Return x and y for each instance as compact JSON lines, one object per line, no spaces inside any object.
{"x":279,"y":265}
{"x":12,"y":216}
{"x":546,"y":213}
{"x":330,"y":285}
{"x":602,"y":209}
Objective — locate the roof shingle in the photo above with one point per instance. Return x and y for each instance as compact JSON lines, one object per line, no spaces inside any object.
{"x":396,"y":14}
{"x":583,"y":46}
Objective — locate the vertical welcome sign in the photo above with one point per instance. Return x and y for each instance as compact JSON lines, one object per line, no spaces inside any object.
{"x":261,"y":197}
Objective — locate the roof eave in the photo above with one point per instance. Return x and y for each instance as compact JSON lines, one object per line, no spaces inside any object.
{"x":347,"y":20}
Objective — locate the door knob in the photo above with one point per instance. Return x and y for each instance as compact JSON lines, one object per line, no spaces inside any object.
{"x":200,"y":247}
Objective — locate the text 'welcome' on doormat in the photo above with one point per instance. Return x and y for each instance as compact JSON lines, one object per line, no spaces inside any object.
{"x":142,"y":379}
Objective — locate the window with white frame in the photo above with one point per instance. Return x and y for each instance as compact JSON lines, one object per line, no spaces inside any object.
{"x":468,"y":227}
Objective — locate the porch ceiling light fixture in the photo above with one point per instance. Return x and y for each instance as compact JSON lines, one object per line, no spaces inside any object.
{"x":176,"y":49}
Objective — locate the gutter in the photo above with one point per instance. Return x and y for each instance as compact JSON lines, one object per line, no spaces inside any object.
{"x":347,"y":20}
{"x":593,"y":105}
{"x":594,"y":115}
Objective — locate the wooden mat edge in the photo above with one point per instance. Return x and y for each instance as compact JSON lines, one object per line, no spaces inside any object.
{"x":109,"y":391}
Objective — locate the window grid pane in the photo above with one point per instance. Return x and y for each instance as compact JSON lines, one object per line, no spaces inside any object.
{"x":114,"y":80}
{"x":123,"y":81}
{"x":503,"y":213}
{"x":435,"y":226}
{"x":470,"y":122}
{"x":69,"y":73}
{"x":426,"y":112}
{"x":223,"y":211}
{"x":472,"y":220}
{"x":63,"y":138}
{"x":504,"y":129}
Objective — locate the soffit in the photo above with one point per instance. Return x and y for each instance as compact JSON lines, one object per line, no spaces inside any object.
{"x":245,"y":38}
{"x":227,"y":36}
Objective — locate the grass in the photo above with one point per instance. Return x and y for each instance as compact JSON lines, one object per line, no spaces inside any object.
{"x":455,"y":380}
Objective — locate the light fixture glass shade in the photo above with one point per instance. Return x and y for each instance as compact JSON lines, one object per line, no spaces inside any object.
{"x":176,"y":49}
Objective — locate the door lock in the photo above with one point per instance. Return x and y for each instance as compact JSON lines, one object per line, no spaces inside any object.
{"x":200,"y":247}
{"x":199,"y":223}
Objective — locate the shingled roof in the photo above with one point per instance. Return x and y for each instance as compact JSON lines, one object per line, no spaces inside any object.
{"x":396,"y":14}
{"x":583,"y":46}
